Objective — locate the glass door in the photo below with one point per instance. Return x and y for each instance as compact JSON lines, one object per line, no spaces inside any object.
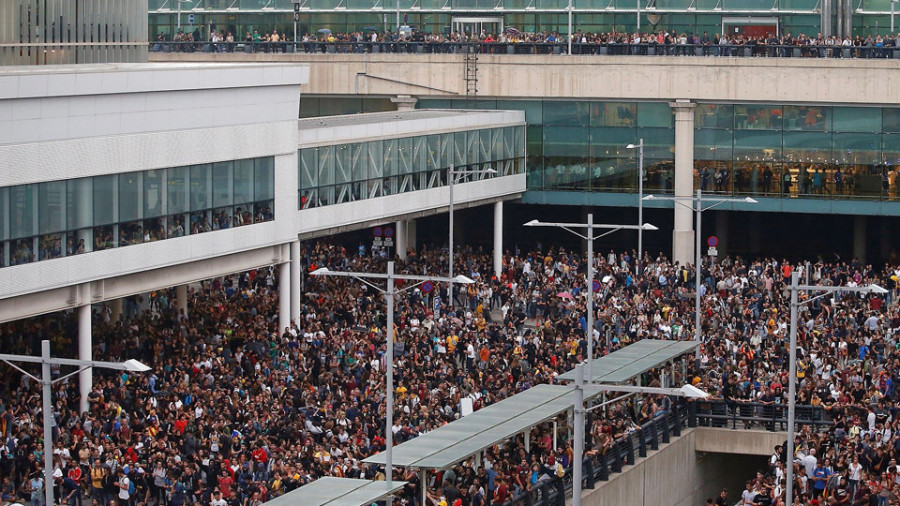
{"x":477,"y":26}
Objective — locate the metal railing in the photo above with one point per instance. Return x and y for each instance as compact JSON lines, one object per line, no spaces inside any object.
{"x":624,"y":451}
{"x":525,"y":48}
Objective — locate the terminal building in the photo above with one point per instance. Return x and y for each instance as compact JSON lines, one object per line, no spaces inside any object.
{"x":472,"y":17}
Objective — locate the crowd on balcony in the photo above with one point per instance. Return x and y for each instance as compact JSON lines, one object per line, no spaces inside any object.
{"x":236,"y":411}
{"x":511,"y":40}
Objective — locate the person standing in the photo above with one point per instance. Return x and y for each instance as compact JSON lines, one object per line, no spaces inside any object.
{"x":36,"y":486}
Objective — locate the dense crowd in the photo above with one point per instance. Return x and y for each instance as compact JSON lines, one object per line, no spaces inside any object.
{"x":237,"y":411}
{"x":661,"y":42}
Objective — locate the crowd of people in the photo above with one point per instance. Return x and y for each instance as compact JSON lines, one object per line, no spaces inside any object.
{"x":661,"y":42}
{"x":236,"y":411}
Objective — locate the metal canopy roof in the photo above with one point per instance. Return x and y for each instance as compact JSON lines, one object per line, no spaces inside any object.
{"x":458,"y":440}
{"x":623,"y":365}
{"x":330,"y":491}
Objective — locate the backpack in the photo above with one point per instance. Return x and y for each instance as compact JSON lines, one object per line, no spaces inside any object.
{"x":131,"y":487}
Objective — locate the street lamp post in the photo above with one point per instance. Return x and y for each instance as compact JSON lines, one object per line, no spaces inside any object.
{"x":696,"y":205}
{"x":640,"y":147}
{"x":47,"y":408}
{"x":452,"y":174}
{"x":389,"y":294}
{"x":689,"y":391}
{"x":589,"y":296}
{"x":795,"y":289}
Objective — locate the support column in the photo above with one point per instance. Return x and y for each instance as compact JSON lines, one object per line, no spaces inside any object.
{"x":85,"y":341}
{"x":859,"y":238}
{"x":498,"y":238}
{"x":296,"y":276}
{"x":411,"y":235}
{"x":284,"y":296}
{"x":405,"y":102}
{"x":400,"y":229}
{"x":181,"y":299}
{"x":115,"y":307}
{"x":683,"y":234}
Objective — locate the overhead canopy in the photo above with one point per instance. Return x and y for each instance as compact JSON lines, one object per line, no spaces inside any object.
{"x":460,"y":439}
{"x":330,"y":491}
{"x":629,"y":362}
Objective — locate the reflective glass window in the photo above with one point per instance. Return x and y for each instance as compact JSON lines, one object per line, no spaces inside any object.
{"x":613,"y":114}
{"x":807,"y":117}
{"x":890,"y":119}
{"x":51,"y":206}
{"x":342,"y":165}
{"x":856,"y":119}
{"x":177,"y":183}
{"x":757,"y":145}
{"x":201,"y":187}
{"x":718,"y":116}
{"x":129,"y":196}
{"x":154,"y":193}
{"x":757,"y":117}
{"x":222,"y":189}
{"x":567,"y":113}
{"x":21,"y":210}
{"x":655,"y":114}
{"x":104,"y":199}
{"x":264,"y":178}
{"x":807,"y":147}
{"x":243,"y":181}
{"x":309,"y":167}
{"x":358,"y":164}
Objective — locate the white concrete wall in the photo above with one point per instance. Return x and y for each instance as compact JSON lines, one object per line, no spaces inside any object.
{"x":779,"y":80}
{"x":39,"y":104}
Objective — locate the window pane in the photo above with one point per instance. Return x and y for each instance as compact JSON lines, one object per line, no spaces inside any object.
{"x":804,"y":117}
{"x":763,"y":145}
{"x":79,"y":210}
{"x":104,"y":199}
{"x":154,"y":193}
{"x":21,"y":210}
{"x":389,"y":157}
{"x":264,"y":178}
{"x":221,"y":184}
{"x":857,"y":119}
{"x":201,"y":194}
{"x":342,"y":164}
{"x":613,"y":114}
{"x":129,"y":193}
{"x":655,"y":114}
{"x":309,"y":168}
{"x":757,"y":117}
{"x":326,"y":165}
{"x":807,"y":147}
{"x":50,"y":206}
{"x":4,"y":226}
{"x":358,"y":163}
{"x":177,"y":194}
{"x":713,"y":144}
{"x":891,"y":120}
{"x":566,"y":113}
{"x":857,"y":149}
{"x":714,"y":116}
{"x":243,"y":181}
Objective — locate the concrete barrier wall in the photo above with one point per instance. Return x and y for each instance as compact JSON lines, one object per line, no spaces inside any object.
{"x":777,"y":80}
{"x":680,"y":474}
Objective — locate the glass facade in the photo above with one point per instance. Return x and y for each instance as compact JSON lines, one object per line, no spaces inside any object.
{"x":530,"y":16}
{"x":797,"y":150}
{"x":763,"y":150}
{"x":55,"y":219}
{"x":580,"y":145}
{"x":349,"y":172}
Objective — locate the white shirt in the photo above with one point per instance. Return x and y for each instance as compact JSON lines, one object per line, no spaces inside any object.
{"x":855,"y":471}
{"x":123,"y":489}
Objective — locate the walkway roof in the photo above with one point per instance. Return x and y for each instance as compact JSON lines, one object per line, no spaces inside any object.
{"x":331,"y":491}
{"x":625,"y":364}
{"x":458,"y":440}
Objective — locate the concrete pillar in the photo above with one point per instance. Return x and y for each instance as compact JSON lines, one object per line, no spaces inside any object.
{"x":683,"y":234}
{"x":296,"y":276}
{"x":181,"y":299}
{"x":859,"y":238}
{"x":400,"y":229}
{"x":411,"y":238}
{"x":284,"y":296}
{"x":85,"y":342}
{"x":498,"y":238}
{"x":115,"y":307}
{"x":405,"y":102}
{"x":722,"y":232}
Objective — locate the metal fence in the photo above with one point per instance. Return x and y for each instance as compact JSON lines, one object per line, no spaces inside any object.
{"x":553,"y":491}
{"x":525,"y":48}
